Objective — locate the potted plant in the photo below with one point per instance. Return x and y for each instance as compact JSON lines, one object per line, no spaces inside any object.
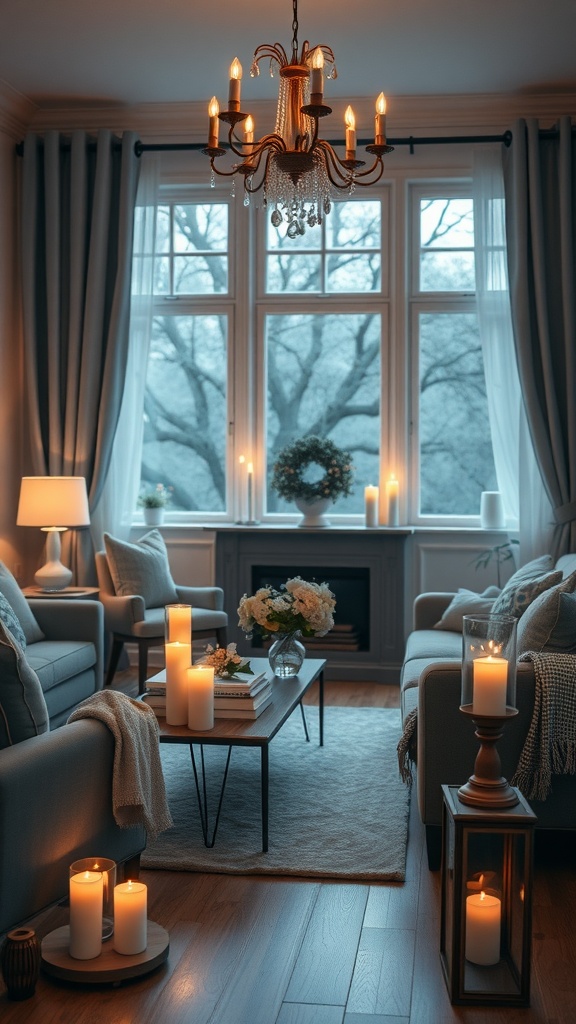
{"x":153,"y":503}
{"x":313,"y":497}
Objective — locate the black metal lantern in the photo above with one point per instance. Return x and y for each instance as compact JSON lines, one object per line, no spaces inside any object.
{"x":486,"y":930}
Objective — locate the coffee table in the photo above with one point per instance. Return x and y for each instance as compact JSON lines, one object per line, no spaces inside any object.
{"x":287,"y":694}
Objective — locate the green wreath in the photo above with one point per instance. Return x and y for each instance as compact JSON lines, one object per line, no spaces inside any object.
{"x":294,"y":459}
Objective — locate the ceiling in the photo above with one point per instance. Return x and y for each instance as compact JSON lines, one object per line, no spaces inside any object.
{"x":72,"y":52}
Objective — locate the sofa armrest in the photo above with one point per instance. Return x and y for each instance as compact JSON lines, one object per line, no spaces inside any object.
{"x":56,"y":806}
{"x":74,"y":620}
{"x":202,"y":597}
{"x":122,"y":613}
{"x":429,"y":608}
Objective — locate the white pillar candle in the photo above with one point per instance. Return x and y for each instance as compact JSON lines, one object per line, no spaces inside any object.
{"x":178,"y":659}
{"x":250,"y":492}
{"x":86,"y":901}
{"x":200,"y":680}
{"x":483,"y":913}
{"x":130,"y":918}
{"x":179,"y":623}
{"x":392,"y":500}
{"x":371,"y":505}
{"x":490,"y":682}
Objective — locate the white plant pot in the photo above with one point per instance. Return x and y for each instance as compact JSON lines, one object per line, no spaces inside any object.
{"x":313,"y":512}
{"x":153,"y":516}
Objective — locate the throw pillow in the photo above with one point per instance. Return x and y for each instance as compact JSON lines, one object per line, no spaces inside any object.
{"x":11,"y":622}
{"x":23,"y":711}
{"x":525,"y":585}
{"x":549,"y":624}
{"x":141,"y":568}
{"x":11,"y":591}
{"x":466,"y":602}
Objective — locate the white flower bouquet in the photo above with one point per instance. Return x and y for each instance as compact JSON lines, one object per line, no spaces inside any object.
{"x":299,"y":606}
{"x":226,"y":661}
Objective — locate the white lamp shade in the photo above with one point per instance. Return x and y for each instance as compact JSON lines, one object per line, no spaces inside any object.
{"x":53,"y":501}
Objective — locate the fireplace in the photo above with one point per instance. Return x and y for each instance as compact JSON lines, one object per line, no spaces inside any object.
{"x":364,"y":568}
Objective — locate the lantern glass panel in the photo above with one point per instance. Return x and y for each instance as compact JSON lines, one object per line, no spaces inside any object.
{"x":489,"y":664}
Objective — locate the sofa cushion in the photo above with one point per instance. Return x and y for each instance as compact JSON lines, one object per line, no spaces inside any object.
{"x":550,"y":621}
{"x":23,"y":711}
{"x":412,"y":670}
{"x":54,"y":661}
{"x":11,"y":622}
{"x":141,"y":568}
{"x":11,"y":591}
{"x":466,"y":602}
{"x":525,"y":585}
{"x":432,"y":643}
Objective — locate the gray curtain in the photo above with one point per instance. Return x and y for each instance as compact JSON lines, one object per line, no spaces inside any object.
{"x":78,"y":198}
{"x":540,"y":189}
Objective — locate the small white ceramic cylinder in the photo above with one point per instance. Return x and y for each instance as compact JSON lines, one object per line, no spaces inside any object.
{"x":491,"y":511}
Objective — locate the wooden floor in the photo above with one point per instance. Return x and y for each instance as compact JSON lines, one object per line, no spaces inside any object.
{"x":247,"y":950}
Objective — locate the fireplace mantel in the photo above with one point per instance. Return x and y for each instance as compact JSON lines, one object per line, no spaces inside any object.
{"x":379,"y":556}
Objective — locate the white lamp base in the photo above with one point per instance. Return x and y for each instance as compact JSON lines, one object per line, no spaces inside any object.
{"x":53,"y":575}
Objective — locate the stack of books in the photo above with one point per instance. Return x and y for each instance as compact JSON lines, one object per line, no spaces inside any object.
{"x":233,"y":698}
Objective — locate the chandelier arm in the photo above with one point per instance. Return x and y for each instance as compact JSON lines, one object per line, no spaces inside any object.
{"x":222,"y":174}
{"x":334,"y":163}
{"x":378,"y":164}
{"x":274,"y":51}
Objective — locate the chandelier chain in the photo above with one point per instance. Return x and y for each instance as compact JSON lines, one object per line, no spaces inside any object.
{"x":295,"y":30}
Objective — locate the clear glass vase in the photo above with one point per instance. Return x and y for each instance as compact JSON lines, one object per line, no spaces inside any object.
{"x":286,"y":655}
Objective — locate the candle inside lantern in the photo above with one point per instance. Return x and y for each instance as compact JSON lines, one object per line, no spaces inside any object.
{"x":490,"y":677}
{"x":178,"y":658}
{"x":200,"y":682}
{"x":234,"y":85}
{"x":86,"y":901}
{"x":380,"y":121}
{"x":350,"y":122}
{"x":483,"y":913}
{"x":317,"y":76}
{"x":371,"y":495}
{"x":213,"y":111}
{"x":392,"y":500}
{"x":179,"y":623}
{"x":130,"y":918}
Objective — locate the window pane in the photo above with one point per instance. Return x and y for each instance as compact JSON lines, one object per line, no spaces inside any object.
{"x":354,"y":225}
{"x":185,"y":411}
{"x":200,"y":275}
{"x":456,"y":462}
{"x":163,"y":229}
{"x":299,"y":273}
{"x":324,"y":379}
{"x":276,"y":238}
{"x":447,"y":272}
{"x":446,"y":222}
{"x":354,"y":272}
{"x":200,"y":226}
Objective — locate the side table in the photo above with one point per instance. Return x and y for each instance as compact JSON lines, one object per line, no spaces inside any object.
{"x":67,"y":594}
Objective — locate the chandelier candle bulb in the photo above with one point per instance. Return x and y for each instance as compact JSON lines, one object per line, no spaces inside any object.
{"x":200,"y":686}
{"x":317,"y":76}
{"x":380,"y":121}
{"x":86,"y":903}
{"x":234,"y":87}
{"x":483,"y":914}
{"x":130,"y":918}
{"x":350,"y":122}
{"x":213,"y":111}
{"x":392,"y":500}
{"x":371,"y":495}
{"x":178,"y":659}
{"x":490,"y":684}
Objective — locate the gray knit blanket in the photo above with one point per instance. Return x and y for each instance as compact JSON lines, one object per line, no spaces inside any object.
{"x":550,"y":746}
{"x":138,"y":790}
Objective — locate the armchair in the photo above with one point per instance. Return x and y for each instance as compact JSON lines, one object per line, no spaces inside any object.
{"x":130,"y":620}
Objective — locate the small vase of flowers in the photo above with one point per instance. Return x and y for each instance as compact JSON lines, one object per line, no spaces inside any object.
{"x":226,"y":661}
{"x":313,"y":497}
{"x":299,"y":608}
{"x":153,"y":503}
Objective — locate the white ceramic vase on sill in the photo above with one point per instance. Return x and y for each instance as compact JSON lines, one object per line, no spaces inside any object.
{"x":313,"y":512}
{"x":153,"y":516}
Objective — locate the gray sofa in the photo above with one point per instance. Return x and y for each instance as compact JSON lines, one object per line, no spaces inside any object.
{"x":446,"y":747}
{"x":55,"y":786}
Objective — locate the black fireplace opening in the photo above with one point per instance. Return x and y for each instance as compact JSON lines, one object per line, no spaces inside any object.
{"x":351,"y":588}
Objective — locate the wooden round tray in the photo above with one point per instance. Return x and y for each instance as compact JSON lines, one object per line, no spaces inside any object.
{"x":110,"y":965}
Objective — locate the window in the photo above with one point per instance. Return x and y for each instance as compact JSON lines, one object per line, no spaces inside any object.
{"x":451,"y":450}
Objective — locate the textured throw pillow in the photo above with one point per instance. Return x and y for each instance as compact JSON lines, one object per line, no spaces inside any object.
{"x":141,"y":568}
{"x":525,"y":586}
{"x":11,"y":591}
{"x":11,"y":622}
{"x":23,"y":711}
{"x":466,"y":602}
{"x":549,"y":624}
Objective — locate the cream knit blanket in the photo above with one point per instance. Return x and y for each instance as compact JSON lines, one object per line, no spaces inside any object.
{"x":138,"y":790}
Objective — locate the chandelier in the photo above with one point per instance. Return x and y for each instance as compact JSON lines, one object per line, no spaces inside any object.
{"x":295,"y":169}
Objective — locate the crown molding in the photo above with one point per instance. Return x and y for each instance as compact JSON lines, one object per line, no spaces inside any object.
{"x":16,"y":111}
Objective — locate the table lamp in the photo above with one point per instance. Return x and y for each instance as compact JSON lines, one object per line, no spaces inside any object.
{"x":53,"y":503}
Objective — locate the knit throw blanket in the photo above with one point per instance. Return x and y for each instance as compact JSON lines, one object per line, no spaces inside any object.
{"x":138,"y":790}
{"x":406,"y":748}
{"x":550,"y":747}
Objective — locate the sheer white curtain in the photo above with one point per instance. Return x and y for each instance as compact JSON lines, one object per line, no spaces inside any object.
{"x":525,"y":503}
{"x":115,"y":510}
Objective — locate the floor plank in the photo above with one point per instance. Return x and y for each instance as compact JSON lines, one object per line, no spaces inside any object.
{"x":384,"y":964}
{"x":310,"y":1013}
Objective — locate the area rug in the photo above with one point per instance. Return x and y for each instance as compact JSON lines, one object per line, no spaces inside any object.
{"x":337,"y":811}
